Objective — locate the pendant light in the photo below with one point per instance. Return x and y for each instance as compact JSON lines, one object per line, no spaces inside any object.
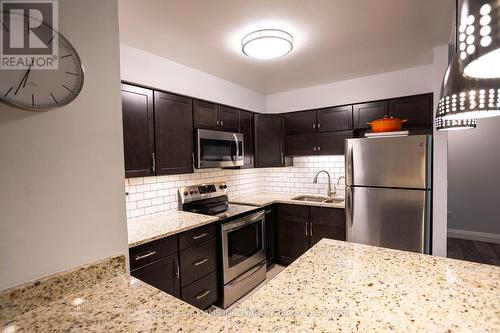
{"x":479,"y":38}
{"x":454,"y":125}
{"x":467,"y":98}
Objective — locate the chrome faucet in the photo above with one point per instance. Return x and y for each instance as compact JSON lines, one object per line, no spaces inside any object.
{"x":329,"y":188}
{"x":337,"y":185}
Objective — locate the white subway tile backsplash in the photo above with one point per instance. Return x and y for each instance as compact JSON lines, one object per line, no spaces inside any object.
{"x":150,"y":195}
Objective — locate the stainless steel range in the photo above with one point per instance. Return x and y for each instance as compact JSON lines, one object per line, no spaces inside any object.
{"x":242,"y":239}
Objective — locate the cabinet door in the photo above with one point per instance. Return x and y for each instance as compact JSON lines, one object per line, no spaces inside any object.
{"x":247,"y":128}
{"x":138,"y":131}
{"x":301,"y":144}
{"x":363,"y":113}
{"x":162,"y":274}
{"x":335,"y":119}
{"x":417,"y":109}
{"x":333,"y":143}
{"x":229,"y":119}
{"x":173,"y":134}
{"x":300,"y":122}
{"x":327,"y":223}
{"x":206,"y":115}
{"x":293,"y":239}
{"x":270,"y":236}
{"x":269,"y":140}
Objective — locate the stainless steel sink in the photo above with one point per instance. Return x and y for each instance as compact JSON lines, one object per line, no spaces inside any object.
{"x":316,"y":198}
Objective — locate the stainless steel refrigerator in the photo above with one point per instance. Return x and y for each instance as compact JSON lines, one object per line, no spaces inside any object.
{"x":388,"y":192}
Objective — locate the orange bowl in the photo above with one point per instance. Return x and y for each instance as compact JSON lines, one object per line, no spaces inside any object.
{"x":387,"y":124}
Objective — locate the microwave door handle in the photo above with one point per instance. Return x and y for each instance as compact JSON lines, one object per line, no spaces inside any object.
{"x":237,"y":149}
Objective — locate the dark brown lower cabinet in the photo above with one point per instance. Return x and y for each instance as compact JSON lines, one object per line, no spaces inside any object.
{"x":270,"y":236}
{"x":203,"y":292}
{"x":162,"y":274}
{"x":300,"y":227}
{"x":190,"y":274}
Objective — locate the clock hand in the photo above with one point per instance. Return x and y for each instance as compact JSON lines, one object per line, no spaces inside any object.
{"x":25,"y":78}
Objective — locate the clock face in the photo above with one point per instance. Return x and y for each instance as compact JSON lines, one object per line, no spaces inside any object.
{"x":44,"y":89}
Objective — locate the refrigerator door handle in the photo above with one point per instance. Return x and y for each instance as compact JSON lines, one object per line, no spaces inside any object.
{"x":349,"y":164}
{"x":349,"y":205}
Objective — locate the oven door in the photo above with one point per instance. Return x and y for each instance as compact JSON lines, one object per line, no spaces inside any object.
{"x":242,"y":245}
{"x":219,"y":149}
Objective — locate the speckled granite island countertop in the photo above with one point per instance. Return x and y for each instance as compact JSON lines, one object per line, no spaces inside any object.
{"x":150,"y":228}
{"x":334,"y":287}
{"x":262,"y":199}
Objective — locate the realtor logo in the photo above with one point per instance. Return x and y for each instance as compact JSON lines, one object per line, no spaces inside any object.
{"x":29,"y":34}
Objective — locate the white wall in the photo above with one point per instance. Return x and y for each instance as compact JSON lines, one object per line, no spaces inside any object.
{"x":474,"y":181}
{"x":144,"y":68}
{"x":62,"y":200}
{"x":440,"y":162}
{"x":406,"y":82}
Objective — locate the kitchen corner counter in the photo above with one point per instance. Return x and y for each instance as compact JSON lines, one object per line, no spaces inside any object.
{"x":150,"y":228}
{"x":262,"y":199}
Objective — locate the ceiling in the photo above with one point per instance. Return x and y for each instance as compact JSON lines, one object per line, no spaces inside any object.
{"x":334,"y":39}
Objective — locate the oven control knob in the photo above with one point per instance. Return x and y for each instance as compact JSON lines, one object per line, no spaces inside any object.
{"x":191,"y":192}
{"x":185,"y":193}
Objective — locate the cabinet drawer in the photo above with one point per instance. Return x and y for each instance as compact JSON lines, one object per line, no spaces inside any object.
{"x":293,"y":210}
{"x":198,"y":261}
{"x":149,"y":252}
{"x":197,"y":236}
{"x":202,"y":293}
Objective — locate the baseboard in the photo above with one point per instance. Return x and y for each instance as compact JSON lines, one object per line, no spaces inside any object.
{"x":474,"y":235}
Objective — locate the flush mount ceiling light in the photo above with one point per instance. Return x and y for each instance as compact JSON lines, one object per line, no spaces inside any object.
{"x":479,"y":38}
{"x":466,"y":98}
{"x":267,"y":44}
{"x":454,"y":125}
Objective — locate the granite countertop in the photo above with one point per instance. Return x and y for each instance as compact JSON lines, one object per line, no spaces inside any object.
{"x":267,"y":198}
{"x":335,"y":286}
{"x":150,"y":228}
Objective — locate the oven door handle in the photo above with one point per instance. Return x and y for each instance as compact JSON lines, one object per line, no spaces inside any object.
{"x":228,"y":227}
{"x":245,"y":275}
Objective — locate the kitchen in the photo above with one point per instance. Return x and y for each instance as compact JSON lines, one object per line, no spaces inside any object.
{"x":204,"y":157}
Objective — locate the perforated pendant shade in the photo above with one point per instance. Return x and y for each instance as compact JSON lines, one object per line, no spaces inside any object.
{"x":465,"y":98}
{"x":479,"y":38}
{"x":453,"y":125}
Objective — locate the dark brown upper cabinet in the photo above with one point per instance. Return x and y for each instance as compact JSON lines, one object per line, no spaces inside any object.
{"x":206,"y":115}
{"x":173,"y":134}
{"x":417,"y":109}
{"x":229,"y":119}
{"x":318,"y":132}
{"x":247,"y":128}
{"x":303,"y":122}
{"x":212,"y":116}
{"x":333,"y":143}
{"x":138,"y":130}
{"x":366,"y":112}
{"x":335,"y":119}
{"x":269,"y":141}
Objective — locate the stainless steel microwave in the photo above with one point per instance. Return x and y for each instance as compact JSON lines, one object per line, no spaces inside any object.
{"x":216,"y":149}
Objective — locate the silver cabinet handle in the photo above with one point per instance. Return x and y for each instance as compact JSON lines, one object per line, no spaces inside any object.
{"x":193,"y":159}
{"x":319,"y":125}
{"x":221,"y":123}
{"x":314,"y":148}
{"x":306,"y":228}
{"x":177,"y":273}
{"x":200,"y":236}
{"x":202,"y":294}
{"x":200,"y":262}
{"x":311,"y":229}
{"x":282,"y":159}
{"x":218,"y":123}
{"x":314,"y":125}
{"x":142,"y":256}
{"x":153,"y":162}
{"x":319,"y":148}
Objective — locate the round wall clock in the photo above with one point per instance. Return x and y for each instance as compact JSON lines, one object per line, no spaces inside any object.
{"x":39,"y":89}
